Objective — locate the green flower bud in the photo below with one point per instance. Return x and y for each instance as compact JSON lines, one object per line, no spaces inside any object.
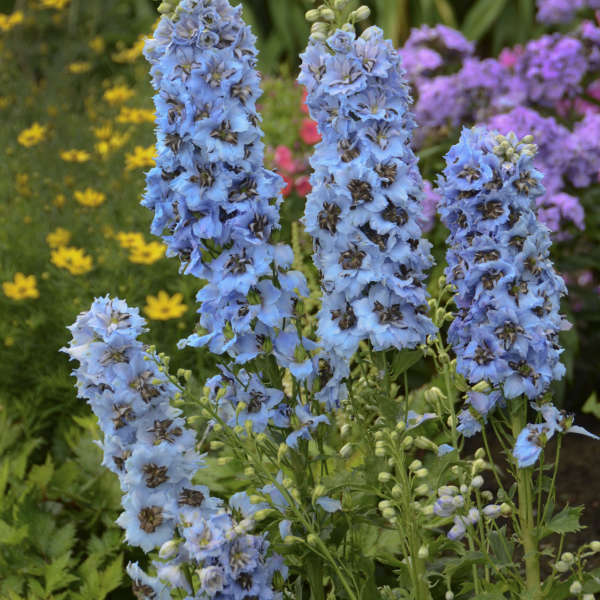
{"x":292,"y":539}
{"x":287,"y":483}
{"x":576,"y":588}
{"x":388,"y":513}
{"x":567,"y":557}
{"x":319,"y":491}
{"x":595,"y":546}
{"x":427,"y":510}
{"x":426,"y":444}
{"x":346,"y":430}
{"x":423,"y":552}
{"x":168,"y":549}
{"x":224,"y":460}
{"x":449,"y":595}
{"x":561,"y":566}
{"x":312,"y":15}
{"x":346,"y":450}
{"x":421,"y":473}
{"x":216,"y":445}
{"x":261,"y":515}
{"x":506,"y":509}
{"x":312,"y":539}
{"x":407,"y":442}
{"x":384,"y":477}
{"x":480,"y":453}
{"x":327,"y":14}
{"x":422,"y":490}
{"x":397,"y":491}
{"x":415,"y":465}
{"x":481,"y":386}
{"x":340,"y":4}
{"x":281,"y":451}
{"x":477,"y":481}
{"x":249,"y":472}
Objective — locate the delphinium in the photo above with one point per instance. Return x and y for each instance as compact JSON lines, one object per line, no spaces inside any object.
{"x":205,"y":546}
{"x":363,"y":210}
{"x":506,"y":329}
{"x":214,"y":202}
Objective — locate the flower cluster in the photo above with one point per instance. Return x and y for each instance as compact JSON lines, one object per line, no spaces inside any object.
{"x":366,"y":199}
{"x":562,"y":11}
{"x":508,"y":294}
{"x":146,"y":443}
{"x":214,"y":202}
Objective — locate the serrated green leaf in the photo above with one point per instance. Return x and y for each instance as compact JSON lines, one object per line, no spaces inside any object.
{"x":481,"y":17}
{"x":10,"y":535}
{"x":566,"y":521}
{"x":57,"y":574}
{"x":502,"y":548}
{"x":403,"y":361}
{"x":63,"y":540}
{"x":40,"y":475}
{"x":111,"y":577}
{"x":592,"y":406}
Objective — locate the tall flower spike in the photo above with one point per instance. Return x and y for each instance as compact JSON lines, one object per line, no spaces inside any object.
{"x":146,"y":443}
{"x":508,"y":294}
{"x":214,"y":203}
{"x":364,"y":208}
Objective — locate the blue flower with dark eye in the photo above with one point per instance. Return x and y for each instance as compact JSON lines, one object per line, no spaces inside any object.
{"x":508,"y":294}
{"x":214,"y":203}
{"x":364,"y":207}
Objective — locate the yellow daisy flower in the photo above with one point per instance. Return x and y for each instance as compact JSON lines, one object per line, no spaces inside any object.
{"x":135,"y":116}
{"x":147,"y":254}
{"x":97,"y":44}
{"x":55,"y":4}
{"x":59,"y":237}
{"x":79,"y":67}
{"x":78,"y":156}
{"x":32,"y":135}
{"x":130,"y":239}
{"x":23,"y":287}
{"x":130,"y":55}
{"x":140,"y":158}
{"x":103,"y":133}
{"x":7,"y":22}
{"x":164,"y":307}
{"x":72,"y":259}
{"x":89,"y":197}
{"x":118,"y":94}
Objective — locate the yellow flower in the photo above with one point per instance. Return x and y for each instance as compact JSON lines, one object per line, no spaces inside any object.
{"x":79,"y":67}
{"x":147,"y":254}
{"x":23,"y":286}
{"x":130,"y":239}
{"x":59,"y":237}
{"x":103,"y":133}
{"x":140,"y":158}
{"x":55,"y":4}
{"x":78,"y":156}
{"x":59,"y":200}
{"x":8,"y":22}
{"x":135,"y":116}
{"x":97,"y":44}
{"x":32,"y":135}
{"x":72,"y":259}
{"x":89,"y":197}
{"x":130,"y":55}
{"x":102,"y":148}
{"x":164,"y":307}
{"x":118,"y":94}
{"x":118,"y":140}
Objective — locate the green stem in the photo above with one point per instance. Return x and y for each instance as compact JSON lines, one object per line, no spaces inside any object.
{"x":528,"y":531}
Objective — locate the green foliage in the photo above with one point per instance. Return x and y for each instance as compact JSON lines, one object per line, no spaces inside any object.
{"x":57,"y":536}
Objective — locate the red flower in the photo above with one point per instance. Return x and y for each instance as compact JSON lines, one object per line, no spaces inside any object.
{"x":285,"y":192}
{"x":284,"y":159}
{"x":303,"y":186}
{"x":303,"y":106}
{"x":309,"y":132}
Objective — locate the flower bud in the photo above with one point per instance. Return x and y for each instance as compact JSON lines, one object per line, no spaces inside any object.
{"x":384,"y":477}
{"x":426,"y":444}
{"x":449,"y":595}
{"x":407,"y":442}
{"x":224,"y":460}
{"x":422,"y":490}
{"x":464,"y":489}
{"x":261,"y":438}
{"x":312,"y":15}
{"x":561,"y":566}
{"x":287,"y":483}
{"x":319,"y":491}
{"x":249,"y":472}
{"x":319,"y":27}
{"x":263,"y":514}
{"x":217,"y":427}
{"x":256,"y":499}
{"x":216,"y":445}
{"x":576,"y":588}
{"x":423,"y":552}
{"x":458,"y":501}
{"x":312,"y":539}
{"x":348,"y":28}
{"x":401,"y":426}
{"x":421,"y":473}
{"x":415,"y":465}
{"x":595,"y":546}
{"x":478,"y":465}
{"x":388,"y":513}
{"x":346,"y":450}
{"x":505,"y":509}
{"x":567,"y":557}
{"x":168,"y":549}
{"x":238,"y":430}
{"x":492,"y":511}
{"x":480,"y":453}
{"x":588,"y":597}
{"x":281,"y":451}
{"x":428,"y":510}
{"x":292,"y":539}
{"x":397,"y":491}
{"x":248,"y":426}
{"x":340,"y":4}
{"x":327,"y":14}
{"x":487,"y":495}
{"x":477,"y":481}
{"x":481,"y":386}
{"x":380,"y":451}
{"x":391,"y":462}
{"x":346,"y":430}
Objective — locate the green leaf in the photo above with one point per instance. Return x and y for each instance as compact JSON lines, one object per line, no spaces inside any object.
{"x":592,"y":406}
{"x":403,"y":361}
{"x":111,"y":577}
{"x":314,"y":574}
{"x":40,"y":475}
{"x":502,"y":548}
{"x":446,"y":13}
{"x":566,"y":521}
{"x":56,"y":574}
{"x":63,"y":539}
{"x":12,"y":535}
{"x":481,"y":17}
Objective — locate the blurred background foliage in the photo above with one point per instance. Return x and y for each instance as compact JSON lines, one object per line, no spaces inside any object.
{"x":58,"y":68}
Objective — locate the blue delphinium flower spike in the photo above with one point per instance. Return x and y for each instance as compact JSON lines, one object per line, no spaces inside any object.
{"x":214,"y":203}
{"x":146,"y":443}
{"x":508,"y":294}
